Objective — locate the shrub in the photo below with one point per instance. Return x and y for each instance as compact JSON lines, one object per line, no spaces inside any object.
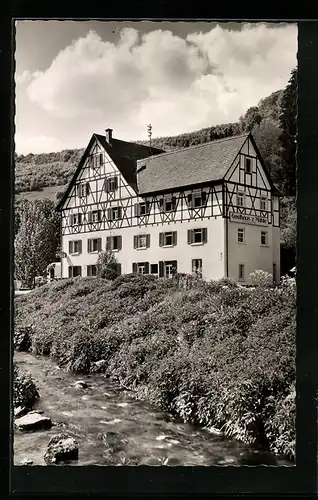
{"x":216,"y":353}
{"x":25,"y":391}
{"x":261,"y":278}
{"x":107,"y":265}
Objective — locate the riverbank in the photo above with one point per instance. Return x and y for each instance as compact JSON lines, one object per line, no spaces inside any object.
{"x":140,"y":433}
{"x":214,"y":355}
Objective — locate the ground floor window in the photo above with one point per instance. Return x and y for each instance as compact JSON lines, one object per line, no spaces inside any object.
{"x":241,"y":272}
{"x":92,"y":270}
{"x":141,"y":267}
{"x":167,"y":269}
{"x":264,"y":238}
{"x":74,"y":271}
{"x":154,"y":269}
{"x":197,"y":267}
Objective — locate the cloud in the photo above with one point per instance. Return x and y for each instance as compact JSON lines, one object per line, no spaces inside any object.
{"x":26,"y":77}
{"x":37,"y":144}
{"x":176,"y":84}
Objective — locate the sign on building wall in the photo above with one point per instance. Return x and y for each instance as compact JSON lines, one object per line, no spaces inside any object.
{"x":248,"y":219}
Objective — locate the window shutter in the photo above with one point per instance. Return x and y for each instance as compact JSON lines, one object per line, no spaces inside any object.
{"x":190,"y":199}
{"x":80,"y":246}
{"x":190,"y":236}
{"x":89,"y":217}
{"x":89,"y":245}
{"x":119,"y":268}
{"x":137,"y":209}
{"x":70,"y":247}
{"x":70,"y":221}
{"x":116,"y":182}
{"x":100,"y":158}
{"x":108,"y":243}
{"x":174,"y":237}
{"x":161,"y":269}
{"x":119,"y":242}
{"x":106,"y":185}
{"x":135,"y":241}
{"x":174,"y":202}
{"x":109,"y":214}
{"x":204,"y":235}
{"x":146,"y":267}
{"x":134,"y":267}
{"x":147,"y":207}
{"x":79,"y":218}
{"x":80,"y":270}
{"x":147,"y":240}
{"x":70,"y":271}
{"x":87,"y":188}
{"x":119,"y":212}
{"x":161,"y":239}
{"x":99,"y":244}
{"x":161,"y":204}
{"x":203,"y":197}
{"x":174,"y":267}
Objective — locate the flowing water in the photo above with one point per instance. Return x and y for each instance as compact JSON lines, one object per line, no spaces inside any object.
{"x":138,"y":433}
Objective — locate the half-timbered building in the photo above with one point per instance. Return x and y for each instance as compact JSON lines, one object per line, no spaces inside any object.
{"x":210,"y":209}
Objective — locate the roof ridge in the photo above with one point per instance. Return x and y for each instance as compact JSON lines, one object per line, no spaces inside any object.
{"x":128,"y":142}
{"x":197,"y":146}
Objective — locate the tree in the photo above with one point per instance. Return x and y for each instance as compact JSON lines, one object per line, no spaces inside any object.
{"x":36,"y":239}
{"x":107,"y":265}
{"x":251,"y":118}
{"x":267,"y":137}
{"x":288,"y":125}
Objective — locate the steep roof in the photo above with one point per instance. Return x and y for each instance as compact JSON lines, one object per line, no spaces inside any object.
{"x":206,"y":162}
{"x":124,"y":154}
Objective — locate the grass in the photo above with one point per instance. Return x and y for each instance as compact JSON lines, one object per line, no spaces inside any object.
{"x":215,"y":354}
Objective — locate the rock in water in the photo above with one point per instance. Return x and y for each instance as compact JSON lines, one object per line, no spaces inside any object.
{"x":60,"y":448}
{"x":80,"y":384}
{"x":20,"y":411}
{"x":33,"y":421}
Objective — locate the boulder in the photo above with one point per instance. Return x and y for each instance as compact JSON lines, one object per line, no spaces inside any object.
{"x":80,"y":384}
{"x":60,"y":448}
{"x":114,"y":441}
{"x":98,"y":366}
{"x":33,"y":421}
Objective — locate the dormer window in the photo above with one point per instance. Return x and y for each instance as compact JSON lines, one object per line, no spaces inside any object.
{"x":111,"y":184}
{"x":76,"y":219}
{"x":142,"y":208}
{"x":248,"y":165}
{"x":114,"y":213}
{"x":168,"y":203}
{"x":96,"y":161}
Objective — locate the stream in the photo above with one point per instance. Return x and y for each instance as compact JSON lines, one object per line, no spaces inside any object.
{"x":142,"y":434}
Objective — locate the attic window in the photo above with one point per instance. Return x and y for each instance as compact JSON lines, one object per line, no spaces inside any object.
{"x":83,"y":190}
{"x":111,"y":184}
{"x":248,"y":165}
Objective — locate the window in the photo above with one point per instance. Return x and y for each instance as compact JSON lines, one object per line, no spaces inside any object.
{"x":168,"y":203}
{"x":142,"y":241}
{"x":114,"y":242}
{"x":74,"y":271}
{"x":264,"y":238}
{"x":240,"y":199}
{"x":76,"y":219}
{"x":141,"y":267}
{"x":197,"y":267}
{"x":83,"y":190}
{"x":241,"y":272}
{"x":168,"y":239}
{"x":263,"y":203}
{"x":114,"y":213}
{"x":111,"y":184}
{"x":95,"y":216}
{"x":91,"y":270}
{"x":197,"y":236}
{"x":241,"y":235}
{"x":154,"y":268}
{"x":248,"y":165}
{"x":96,"y":161}
{"x":197,"y":199}
{"x":142,"y":208}
{"x":94,"y":245}
{"x":167,"y":269}
{"x":75,"y":247}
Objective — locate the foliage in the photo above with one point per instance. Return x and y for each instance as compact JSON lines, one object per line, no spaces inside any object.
{"x":213,"y":353}
{"x":107,"y":265}
{"x":261,"y":278}
{"x":24,"y":389}
{"x":36,"y":239}
{"x":288,"y":234}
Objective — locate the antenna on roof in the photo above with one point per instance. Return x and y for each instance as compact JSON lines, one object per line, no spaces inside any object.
{"x":149,"y":129}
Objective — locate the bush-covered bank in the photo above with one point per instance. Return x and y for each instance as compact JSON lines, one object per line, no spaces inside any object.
{"x":25,"y":391}
{"x":213,"y":353}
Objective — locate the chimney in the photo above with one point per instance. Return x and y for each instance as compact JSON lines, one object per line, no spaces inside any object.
{"x":109,"y":132}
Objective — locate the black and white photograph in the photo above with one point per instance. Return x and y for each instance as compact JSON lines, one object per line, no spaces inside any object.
{"x":154,"y":243}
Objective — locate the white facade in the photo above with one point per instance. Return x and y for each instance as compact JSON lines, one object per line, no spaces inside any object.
{"x":238,"y":216}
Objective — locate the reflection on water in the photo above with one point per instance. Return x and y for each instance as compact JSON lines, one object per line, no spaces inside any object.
{"x":112,"y":428}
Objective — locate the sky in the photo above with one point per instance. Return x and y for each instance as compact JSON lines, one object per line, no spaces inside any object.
{"x":76,"y":78}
